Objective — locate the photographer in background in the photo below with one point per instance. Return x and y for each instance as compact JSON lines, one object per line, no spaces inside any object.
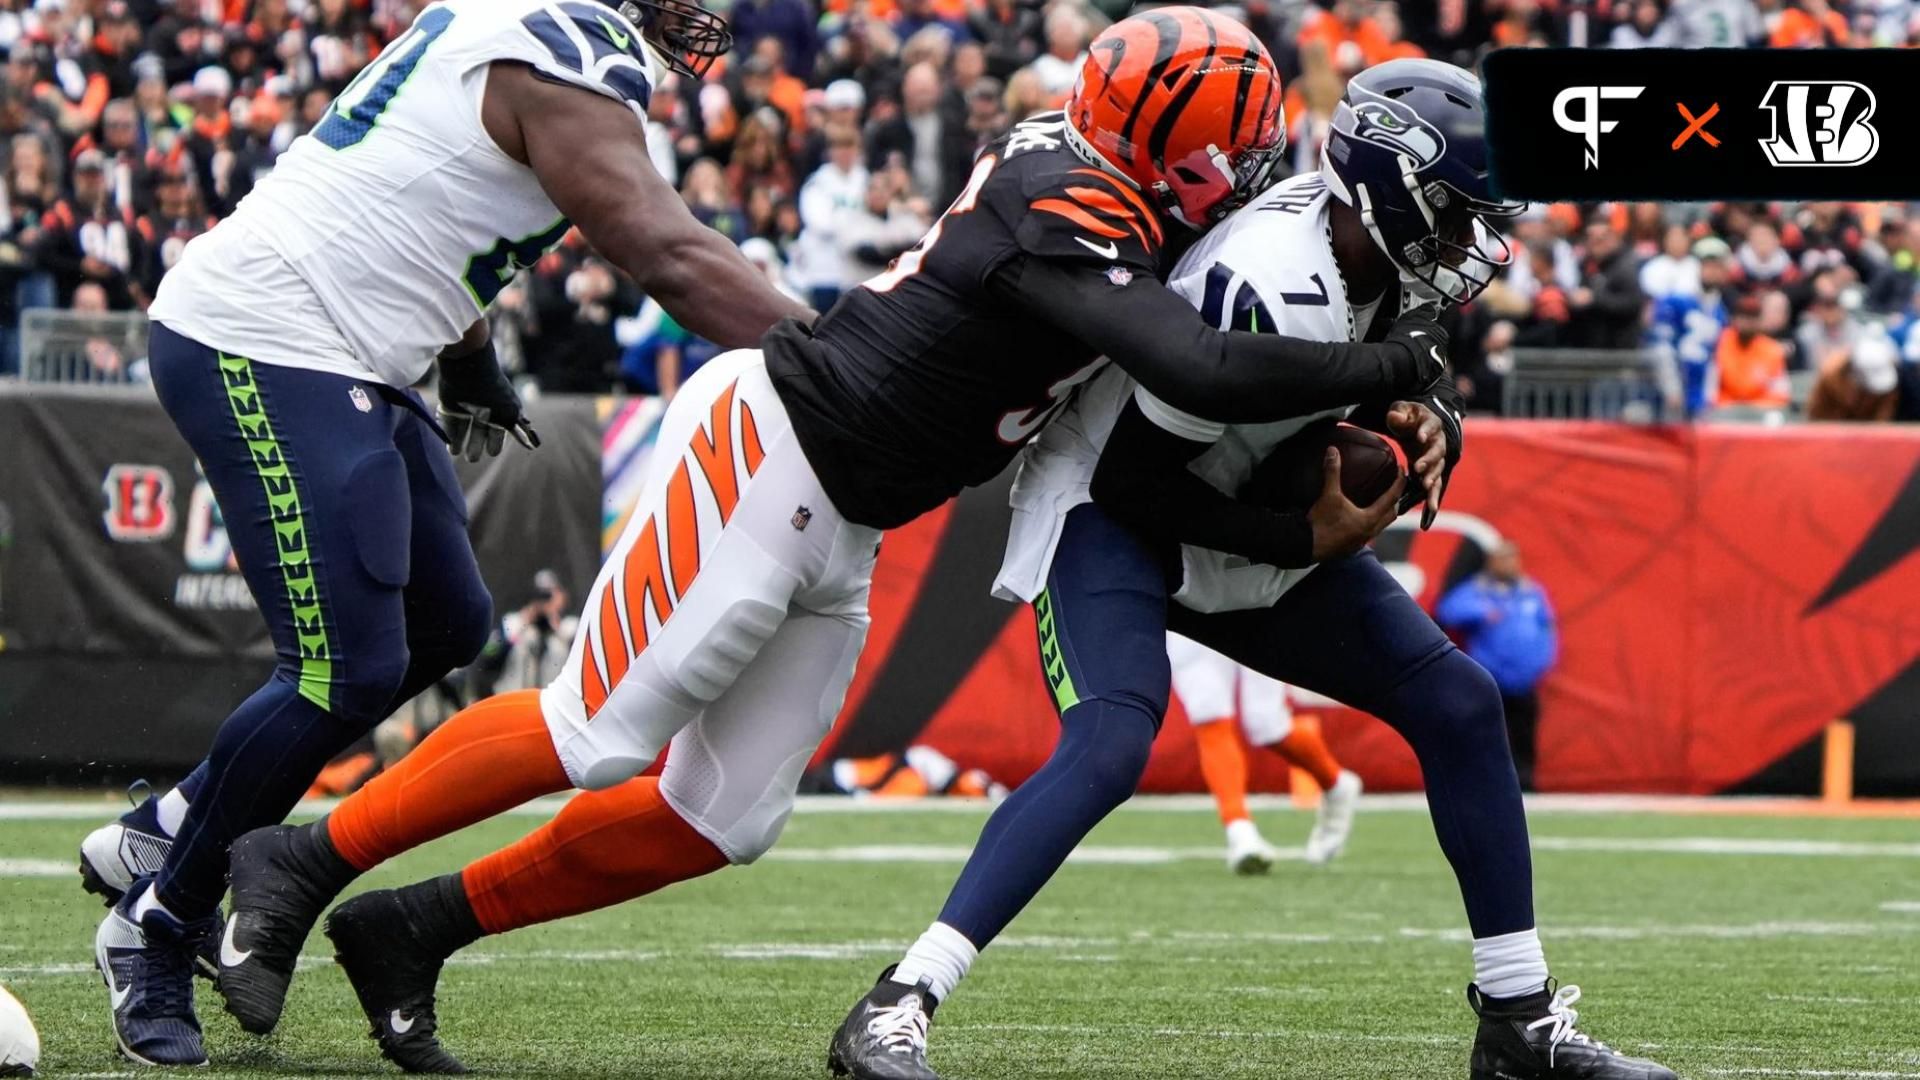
{"x":533,"y":642}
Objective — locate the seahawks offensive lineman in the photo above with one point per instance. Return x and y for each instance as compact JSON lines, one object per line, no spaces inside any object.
{"x":1125,"y":500}
{"x":283,"y":347}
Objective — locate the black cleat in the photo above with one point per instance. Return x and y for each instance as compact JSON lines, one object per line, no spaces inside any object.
{"x":378,"y":939}
{"x":885,"y":1036}
{"x":283,"y":878}
{"x":1534,"y":1038}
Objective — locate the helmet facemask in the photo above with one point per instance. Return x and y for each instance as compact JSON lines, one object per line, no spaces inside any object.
{"x":1452,"y":250}
{"x":689,"y":37}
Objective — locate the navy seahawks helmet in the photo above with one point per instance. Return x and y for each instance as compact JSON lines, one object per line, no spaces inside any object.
{"x":1408,"y":150}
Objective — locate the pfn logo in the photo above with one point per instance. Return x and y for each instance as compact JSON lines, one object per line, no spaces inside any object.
{"x":1588,"y":124}
{"x":1820,"y":123}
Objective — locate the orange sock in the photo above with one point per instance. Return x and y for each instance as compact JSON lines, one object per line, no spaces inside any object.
{"x":1306,"y":749}
{"x":489,"y":758}
{"x":1224,"y":765}
{"x":603,"y":848}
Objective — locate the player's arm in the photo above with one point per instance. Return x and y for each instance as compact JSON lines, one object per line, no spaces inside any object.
{"x":590,"y":154}
{"x":1143,"y":481}
{"x":1235,"y":377}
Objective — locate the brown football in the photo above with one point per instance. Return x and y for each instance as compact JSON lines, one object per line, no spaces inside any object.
{"x":1290,"y":477}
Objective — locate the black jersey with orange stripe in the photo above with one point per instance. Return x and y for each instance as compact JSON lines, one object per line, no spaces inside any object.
{"x":926,"y":380}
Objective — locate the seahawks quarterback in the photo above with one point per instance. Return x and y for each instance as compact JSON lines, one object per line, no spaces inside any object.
{"x":1125,"y":501}
{"x":283,"y":348}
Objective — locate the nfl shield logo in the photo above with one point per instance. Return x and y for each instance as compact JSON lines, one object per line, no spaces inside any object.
{"x":800,"y":518}
{"x":1119,"y":275}
{"x":360,"y":401}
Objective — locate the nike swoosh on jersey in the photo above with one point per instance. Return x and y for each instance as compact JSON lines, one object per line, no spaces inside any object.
{"x":230,"y":954}
{"x":399,"y":1022}
{"x":1110,"y":251}
{"x":620,"y":39}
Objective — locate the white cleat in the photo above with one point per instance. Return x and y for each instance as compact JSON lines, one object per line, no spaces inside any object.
{"x":1335,"y":824}
{"x":1248,"y":853}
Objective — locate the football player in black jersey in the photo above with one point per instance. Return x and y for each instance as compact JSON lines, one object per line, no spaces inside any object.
{"x":729,"y":615}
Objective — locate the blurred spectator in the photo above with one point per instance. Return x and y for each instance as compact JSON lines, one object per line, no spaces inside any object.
{"x":838,"y":186}
{"x":1068,"y":33}
{"x":1026,"y":95}
{"x":886,"y":223}
{"x":1828,"y":237}
{"x":1890,"y":285}
{"x":710,"y":196}
{"x":1750,"y":367}
{"x":1646,"y":28}
{"x":1676,"y":270}
{"x":1509,"y":628}
{"x":1764,"y":263}
{"x":576,"y":298}
{"x":931,"y":142}
{"x":537,"y":638}
{"x":1866,"y":383}
{"x":1605,"y":308}
{"x":176,"y":218}
{"x":790,"y":22}
{"x":841,"y":104}
{"x":913,"y":16}
{"x":1716,"y":24}
{"x":89,"y":239}
{"x":1810,"y":24}
{"x":757,"y":162}
{"x":1687,"y":326}
{"x":1011,"y":32}
{"x":1829,"y":325}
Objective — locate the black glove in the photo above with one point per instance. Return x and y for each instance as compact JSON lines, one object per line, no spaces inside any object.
{"x":478,"y":406}
{"x":1425,"y":342}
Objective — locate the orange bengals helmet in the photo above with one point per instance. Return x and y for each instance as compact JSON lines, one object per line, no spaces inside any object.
{"x":1185,"y":103}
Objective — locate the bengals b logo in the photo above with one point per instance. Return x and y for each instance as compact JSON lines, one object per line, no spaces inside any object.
{"x":139,"y":503}
{"x":1820,"y":123}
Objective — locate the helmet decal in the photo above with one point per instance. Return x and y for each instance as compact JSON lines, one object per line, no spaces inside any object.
{"x":1379,"y":122}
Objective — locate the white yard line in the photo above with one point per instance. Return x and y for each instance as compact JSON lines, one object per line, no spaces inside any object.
{"x":100,"y":808}
{"x":38,"y":868}
{"x":1723,"y":845}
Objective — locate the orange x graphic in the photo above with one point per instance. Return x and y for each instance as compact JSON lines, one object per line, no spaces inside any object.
{"x":1697,"y":125}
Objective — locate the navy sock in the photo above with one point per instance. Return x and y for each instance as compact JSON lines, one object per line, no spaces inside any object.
{"x":1102,"y":751}
{"x":1450,"y":714}
{"x":264,"y":757}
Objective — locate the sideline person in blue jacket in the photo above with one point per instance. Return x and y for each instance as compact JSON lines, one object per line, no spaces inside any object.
{"x":1509,"y":628}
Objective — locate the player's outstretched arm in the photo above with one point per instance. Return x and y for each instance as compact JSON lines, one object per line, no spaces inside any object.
{"x":1144,"y":483}
{"x":1227,"y":375}
{"x":590,"y":154}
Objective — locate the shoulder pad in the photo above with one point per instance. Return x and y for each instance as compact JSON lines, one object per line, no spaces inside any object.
{"x":591,"y":46}
{"x":1085,"y":215}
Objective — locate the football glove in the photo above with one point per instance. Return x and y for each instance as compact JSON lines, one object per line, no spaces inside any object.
{"x":479,"y":406}
{"x":1419,"y":333}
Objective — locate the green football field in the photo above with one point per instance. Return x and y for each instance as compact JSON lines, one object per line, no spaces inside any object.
{"x":1725,"y":945}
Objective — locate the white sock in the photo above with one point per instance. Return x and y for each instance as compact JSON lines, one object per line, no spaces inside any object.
{"x":940,"y":959}
{"x":150,"y":901}
{"x":1511,"y":965}
{"x":172,"y":811}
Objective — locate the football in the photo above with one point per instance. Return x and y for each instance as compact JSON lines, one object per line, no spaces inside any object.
{"x":1290,"y":478}
{"x":19,"y":1042}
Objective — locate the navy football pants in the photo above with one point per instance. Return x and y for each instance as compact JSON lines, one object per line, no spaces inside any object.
{"x":350,"y":527}
{"x":1348,"y":631}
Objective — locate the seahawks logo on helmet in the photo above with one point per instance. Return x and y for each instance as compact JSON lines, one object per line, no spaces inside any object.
{"x":1377,"y":122}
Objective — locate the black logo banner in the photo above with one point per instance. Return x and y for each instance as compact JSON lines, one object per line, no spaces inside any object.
{"x":1703,"y":124}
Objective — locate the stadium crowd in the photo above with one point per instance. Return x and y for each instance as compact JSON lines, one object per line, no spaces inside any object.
{"x":830,"y":138}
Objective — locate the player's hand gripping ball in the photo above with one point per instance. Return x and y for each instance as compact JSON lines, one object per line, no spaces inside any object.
{"x":1291,"y":477}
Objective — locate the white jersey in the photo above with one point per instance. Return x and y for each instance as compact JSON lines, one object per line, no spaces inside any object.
{"x":382,"y":235}
{"x":1269,"y":268}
